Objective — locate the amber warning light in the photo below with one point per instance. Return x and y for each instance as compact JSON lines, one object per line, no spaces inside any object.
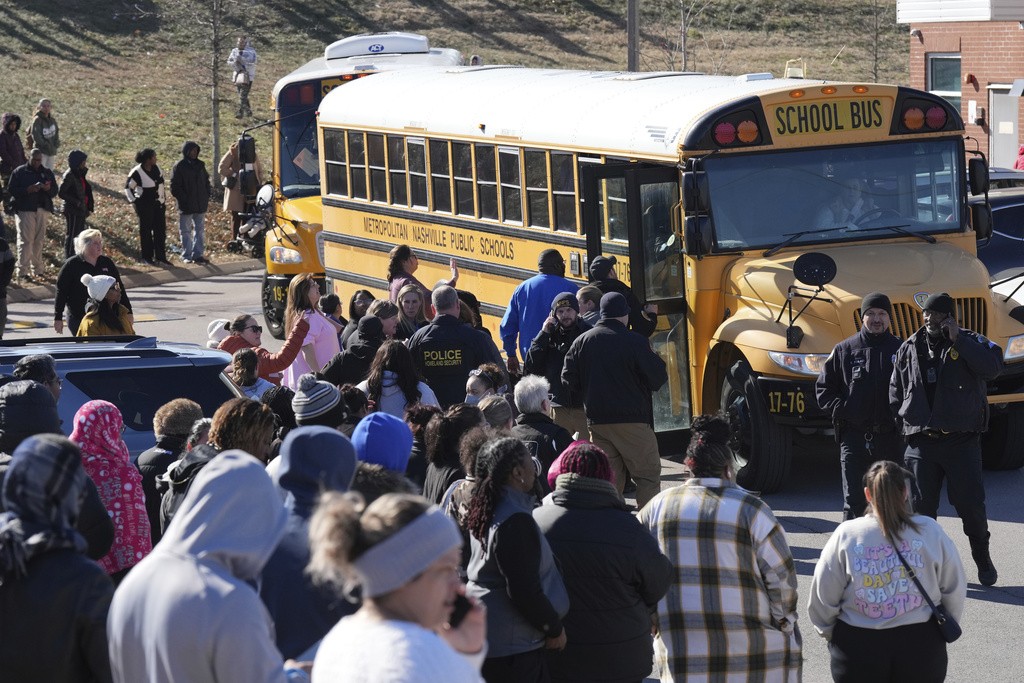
{"x":728,"y":133}
{"x":917,"y":119}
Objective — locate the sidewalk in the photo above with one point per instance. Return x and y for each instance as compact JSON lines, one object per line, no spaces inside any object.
{"x":134,"y":278}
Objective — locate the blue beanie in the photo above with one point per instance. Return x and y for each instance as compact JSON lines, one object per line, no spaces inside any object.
{"x":383,"y":439}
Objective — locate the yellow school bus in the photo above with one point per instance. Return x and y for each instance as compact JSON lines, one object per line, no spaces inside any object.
{"x":723,"y":200}
{"x":293,"y":245}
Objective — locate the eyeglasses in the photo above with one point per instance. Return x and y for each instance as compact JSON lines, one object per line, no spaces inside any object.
{"x":255,"y":328}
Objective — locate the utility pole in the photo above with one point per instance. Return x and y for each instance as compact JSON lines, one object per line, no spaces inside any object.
{"x":633,"y":35}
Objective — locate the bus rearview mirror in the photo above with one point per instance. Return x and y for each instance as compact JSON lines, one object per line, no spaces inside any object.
{"x":981,"y":220}
{"x":697,"y":231}
{"x":695,"y":192}
{"x":977,"y":174}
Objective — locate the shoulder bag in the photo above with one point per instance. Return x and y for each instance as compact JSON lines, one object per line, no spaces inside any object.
{"x":947,"y":625}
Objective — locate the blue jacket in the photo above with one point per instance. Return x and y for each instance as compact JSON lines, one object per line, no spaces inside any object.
{"x":529,"y":307}
{"x":312,"y":459}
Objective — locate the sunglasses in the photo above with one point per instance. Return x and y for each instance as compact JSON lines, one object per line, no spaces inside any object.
{"x":255,"y":328}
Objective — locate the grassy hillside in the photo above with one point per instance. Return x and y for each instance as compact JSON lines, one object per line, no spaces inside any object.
{"x":127,"y":74}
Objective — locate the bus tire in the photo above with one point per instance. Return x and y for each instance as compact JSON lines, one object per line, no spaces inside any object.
{"x":1002,"y":446}
{"x":766,"y":446}
{"x":271,"y":316}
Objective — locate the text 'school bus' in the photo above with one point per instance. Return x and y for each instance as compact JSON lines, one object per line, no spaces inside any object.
{"x":707,"y":190}
{"x":294,"y":246}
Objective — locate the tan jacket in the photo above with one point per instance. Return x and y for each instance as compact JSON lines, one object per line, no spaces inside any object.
{"x":229,"y":166}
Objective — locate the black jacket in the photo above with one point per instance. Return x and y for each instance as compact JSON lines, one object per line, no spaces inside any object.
{"x":25,"y":177}
{"x":151,"y":464}
{"x":546,"y":357}
{"x":76,"y":192}
{"x":853,"y":386}
{"x":445,"y":351}
{"x":181,"y":478}
{"x":352,"y":365}
{"x":545,"y":439}
{"x":71,"y":293}
{"x":190,"y":183}
{"x":6,"y":267}
{"x":615,"y":371}
{"x":615,"y":575}
{"x":960,"y":403}
{"x":54,"y":621}
{"x":638,"y":322}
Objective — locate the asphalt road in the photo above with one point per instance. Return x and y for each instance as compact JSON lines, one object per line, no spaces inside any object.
{"x":809,"y":507}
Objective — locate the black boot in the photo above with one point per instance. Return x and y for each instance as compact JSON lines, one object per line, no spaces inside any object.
{"x":987,"y":573}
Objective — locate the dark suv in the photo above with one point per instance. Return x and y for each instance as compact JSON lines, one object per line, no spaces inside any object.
{"x":1003,"y":253}
{"x":137,"y":374}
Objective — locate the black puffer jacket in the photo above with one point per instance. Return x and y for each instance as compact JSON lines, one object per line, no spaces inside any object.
{"x":960,"y":403}
{"x":151,"y":464}
{"x":190,"y":183}
{"x":547,"y":356}
{"x":614,"y":371}
{"x":179,"y":481}
{"x":853,"y":386}
{"x":545,"y":439}
{"x":638,"y":321}
{"x":615,"y":575}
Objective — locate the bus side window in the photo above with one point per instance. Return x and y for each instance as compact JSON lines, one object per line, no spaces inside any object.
{"x":537,"y":188}
{"x":462,"y":165}
{"x":417,"y":172}
{"x":486,"y":181}
{"x":396,"y":168}
{"x":564,"y":191}
{"x":357,"y":163}
{"x":615,"y":208}
{"x":511,"y":185}
{"x":440,"y":178}
{"x":334,"y":158}
{"x":661,"y":245}
{"x":378,"y":172}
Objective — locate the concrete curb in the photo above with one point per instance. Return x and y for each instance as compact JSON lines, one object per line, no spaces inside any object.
{"x":176,"y":273}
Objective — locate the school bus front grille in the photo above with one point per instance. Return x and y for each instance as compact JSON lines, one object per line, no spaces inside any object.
{"x":907,"y":318}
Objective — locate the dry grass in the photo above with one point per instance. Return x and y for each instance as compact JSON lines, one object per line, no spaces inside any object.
{"x":128,"y":74}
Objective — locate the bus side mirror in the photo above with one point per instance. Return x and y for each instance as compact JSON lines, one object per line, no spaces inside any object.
{"x":977,"y":172}
{"x":695,"y":192}
{"x":981,"y":219}
{"x":697,"y":231}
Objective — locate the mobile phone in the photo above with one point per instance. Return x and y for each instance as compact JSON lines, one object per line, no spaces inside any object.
{"x":460,"y":610}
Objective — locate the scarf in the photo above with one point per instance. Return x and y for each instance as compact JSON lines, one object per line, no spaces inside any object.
{"x":42,"y":493}
{"x":570,"y":481}
{"x":105,"y":457}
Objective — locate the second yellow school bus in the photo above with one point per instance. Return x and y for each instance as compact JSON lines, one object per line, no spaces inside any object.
{"x":706,"y":189}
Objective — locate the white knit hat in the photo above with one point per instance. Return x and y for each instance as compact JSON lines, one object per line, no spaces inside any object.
{"x":216,"y":331}
{"x":98,"y":285}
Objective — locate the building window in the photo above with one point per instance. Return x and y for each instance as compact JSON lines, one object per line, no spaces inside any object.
{"x":944,"y":76}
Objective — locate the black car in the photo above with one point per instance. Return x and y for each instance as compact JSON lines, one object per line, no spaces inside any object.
{"x":1003,"y":253}
{"x":136,"y":374}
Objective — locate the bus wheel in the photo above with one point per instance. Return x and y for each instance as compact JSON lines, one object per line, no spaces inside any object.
{"x":271,"y":316}
{"x":763,"y":447}
{"x":1002,"y":446}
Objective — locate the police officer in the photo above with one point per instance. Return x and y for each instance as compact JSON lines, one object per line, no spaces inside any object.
{"x":445,"y":350}
{"x":853,"y":388}
{"x":938,"y":393}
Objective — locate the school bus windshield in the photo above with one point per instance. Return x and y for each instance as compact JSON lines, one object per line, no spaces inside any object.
{"x":849,"y":193}
{"x":296,"y":140}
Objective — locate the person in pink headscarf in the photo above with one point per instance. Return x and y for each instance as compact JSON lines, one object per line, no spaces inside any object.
{"x":105,"y":457}
{"x":1019,"y":164}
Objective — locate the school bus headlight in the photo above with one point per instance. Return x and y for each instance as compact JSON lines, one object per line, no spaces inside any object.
{"x":284,"y":255}
{"x":800,"y":363}
{"x":1014,"y":348}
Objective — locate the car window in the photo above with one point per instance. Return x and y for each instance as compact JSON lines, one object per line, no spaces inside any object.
{"x":1008,"y":220}
{"x":139,"y":392}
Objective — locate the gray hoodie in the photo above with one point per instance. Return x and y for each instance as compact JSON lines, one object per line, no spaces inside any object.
{"x":188,"y":611}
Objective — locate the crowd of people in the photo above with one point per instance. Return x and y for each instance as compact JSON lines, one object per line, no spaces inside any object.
{"x":31,"y":191}
{"x":390,"y":500}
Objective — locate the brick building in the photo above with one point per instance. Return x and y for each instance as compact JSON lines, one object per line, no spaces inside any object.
{"x":971,"y":52}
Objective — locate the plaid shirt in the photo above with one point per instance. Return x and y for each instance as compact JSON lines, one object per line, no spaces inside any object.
{"x":730,"y":614}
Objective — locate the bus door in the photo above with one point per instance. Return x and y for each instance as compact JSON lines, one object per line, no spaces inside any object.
{"x":633,"y":212}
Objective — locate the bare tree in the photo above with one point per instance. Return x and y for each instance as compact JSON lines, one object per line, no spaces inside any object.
{"x":216,"y":23}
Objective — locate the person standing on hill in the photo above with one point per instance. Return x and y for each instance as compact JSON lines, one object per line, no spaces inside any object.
{"x":530,"y":305}
{"x":230,"y":169}
{"x":33,"y":188}
{"x":45,"y":134}
{"x":12,"y":152}
{"x":76,"y":192}
{"x":190,"y":186}
{"x":243,"y":60}
{"x":145,"y":190}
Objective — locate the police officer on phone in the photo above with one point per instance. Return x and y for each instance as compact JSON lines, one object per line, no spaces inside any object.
{"x":853,"y":387}
{"x":938,"y":392}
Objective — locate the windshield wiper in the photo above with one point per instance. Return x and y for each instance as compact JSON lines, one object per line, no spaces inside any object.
{"x":901,"y":229}
{"x":794,"y":236}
